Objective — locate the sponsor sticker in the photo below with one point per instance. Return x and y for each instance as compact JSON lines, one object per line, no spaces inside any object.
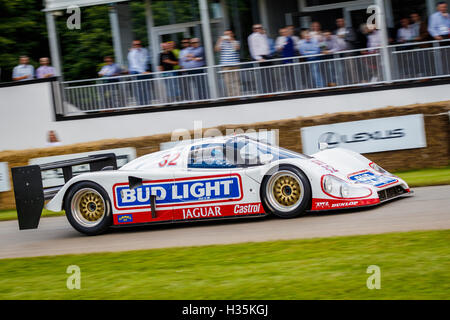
{"x":368,"y":177}
{"x":344,"y":204}
{"x":202,"y":212}
{"x":247,"y":208}
{"x":324,"y":204}
{"x":181,"y":192}
{"x":122,"y":218}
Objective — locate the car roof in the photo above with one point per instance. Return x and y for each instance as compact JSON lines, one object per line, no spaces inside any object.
{"x":223,"y":139}
{"x":184,"y":148}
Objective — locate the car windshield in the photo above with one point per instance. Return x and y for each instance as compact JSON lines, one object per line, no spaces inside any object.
{"x":237,"y":152}
{"x":247,"y":152}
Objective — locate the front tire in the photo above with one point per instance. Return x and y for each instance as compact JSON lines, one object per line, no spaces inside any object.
{"x":88,"y":208}
{"x":286,"y":192}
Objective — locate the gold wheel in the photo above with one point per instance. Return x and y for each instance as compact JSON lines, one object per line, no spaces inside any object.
{"x":91,"y":206}
{"x":88,"y":207}
{"x":286,"y":190}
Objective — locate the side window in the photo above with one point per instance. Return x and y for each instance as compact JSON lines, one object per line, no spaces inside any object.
{"x":208,"y":156}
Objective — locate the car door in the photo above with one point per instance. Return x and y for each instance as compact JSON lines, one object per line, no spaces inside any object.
{"x":250,"y":173}
{"x":152,"y":175}
{"x":205,"y":186}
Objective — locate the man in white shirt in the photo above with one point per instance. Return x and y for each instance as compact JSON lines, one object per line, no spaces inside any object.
{"x":373,"y":38}
{"x":316,"y":31}
{"x":373,"y":41}
{"x":345,"y":35}
{"x":258,"y":44}
{"x":406,"y":32}
{"x":137,"y":58}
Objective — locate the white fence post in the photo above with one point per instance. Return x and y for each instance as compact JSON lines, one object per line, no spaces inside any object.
{"x":209,"y":49}
{"x":385,"y":54}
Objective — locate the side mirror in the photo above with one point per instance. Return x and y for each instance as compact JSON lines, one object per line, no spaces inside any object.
{"x":323,"y":146}
{"x":265,"y":158}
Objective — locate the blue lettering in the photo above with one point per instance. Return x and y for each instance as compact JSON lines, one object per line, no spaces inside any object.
{"x":224,"y":188}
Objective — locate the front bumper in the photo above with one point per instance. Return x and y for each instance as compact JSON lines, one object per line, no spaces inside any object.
{"x":338,"y":204}
{"x":392,"y":193}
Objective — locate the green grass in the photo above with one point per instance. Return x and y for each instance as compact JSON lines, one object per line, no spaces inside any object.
{"x":426,"y":177}
{"x":414,"y":265}
{"x":414,"y":178}
{"x":12,"y":214}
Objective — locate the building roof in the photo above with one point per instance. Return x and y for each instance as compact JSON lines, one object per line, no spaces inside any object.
{"x":52,"y":5}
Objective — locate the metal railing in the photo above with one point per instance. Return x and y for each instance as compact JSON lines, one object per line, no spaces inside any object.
{"x":415,"y":61}
{"x":298,"y":74}
{"x":411,"y":61}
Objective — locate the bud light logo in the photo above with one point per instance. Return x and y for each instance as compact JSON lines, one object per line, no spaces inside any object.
{"x":178,"y":192}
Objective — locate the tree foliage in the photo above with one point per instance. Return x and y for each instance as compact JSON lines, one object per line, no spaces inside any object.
{"x":82,"y":50}
{"x":23,"y":31}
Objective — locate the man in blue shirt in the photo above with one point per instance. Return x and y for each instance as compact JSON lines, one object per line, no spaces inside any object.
{"x":439,"y":25}
{"x":185,"y":44}
{"x":311,"y":48}
{"x":285,"y":45}
{"x":195,"y":58}
{"x":111,"y":96}
{"x":195,"y":55}
{"x":138,"y":60}
{"x":24,"y":71}
{"x":110,"y":69}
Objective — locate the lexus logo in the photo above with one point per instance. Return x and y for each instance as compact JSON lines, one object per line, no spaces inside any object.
{"x":334,"y":139}
{"x":331,"y":138}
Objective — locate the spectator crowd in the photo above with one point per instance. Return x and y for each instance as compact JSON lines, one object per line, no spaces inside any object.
{"x":309,"y":44}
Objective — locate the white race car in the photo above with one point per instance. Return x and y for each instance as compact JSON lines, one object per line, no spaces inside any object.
{"x":216,"y":178}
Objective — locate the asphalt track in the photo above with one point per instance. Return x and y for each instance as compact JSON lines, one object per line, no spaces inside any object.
{"x":428,"y":209}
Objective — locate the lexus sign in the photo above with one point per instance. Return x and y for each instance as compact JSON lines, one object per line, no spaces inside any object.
{"x":4,"y":177}
{"x":367,"y":136}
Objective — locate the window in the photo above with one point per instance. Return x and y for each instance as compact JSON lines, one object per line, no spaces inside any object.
{"x":237,"y":152}
{"x":246,"y":152}
{"x":209,"y":156}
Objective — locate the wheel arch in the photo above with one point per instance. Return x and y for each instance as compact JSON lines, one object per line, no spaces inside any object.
{"x":76,"y":183}
{"x":273,"y":170}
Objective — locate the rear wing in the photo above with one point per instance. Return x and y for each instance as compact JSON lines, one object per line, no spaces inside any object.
{"x":30,"y":194}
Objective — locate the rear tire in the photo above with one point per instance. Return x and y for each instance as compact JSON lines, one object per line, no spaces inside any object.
{"x":286,"y":192}
{"x":88,"y":208}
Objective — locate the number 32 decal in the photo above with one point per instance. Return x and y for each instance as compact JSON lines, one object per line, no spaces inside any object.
{"x":169,"y":160}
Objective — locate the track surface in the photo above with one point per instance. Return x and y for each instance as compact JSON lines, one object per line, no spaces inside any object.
{"x":428,"y":209}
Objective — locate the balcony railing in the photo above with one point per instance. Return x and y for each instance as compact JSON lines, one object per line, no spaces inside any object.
{"x":408,"y":62}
